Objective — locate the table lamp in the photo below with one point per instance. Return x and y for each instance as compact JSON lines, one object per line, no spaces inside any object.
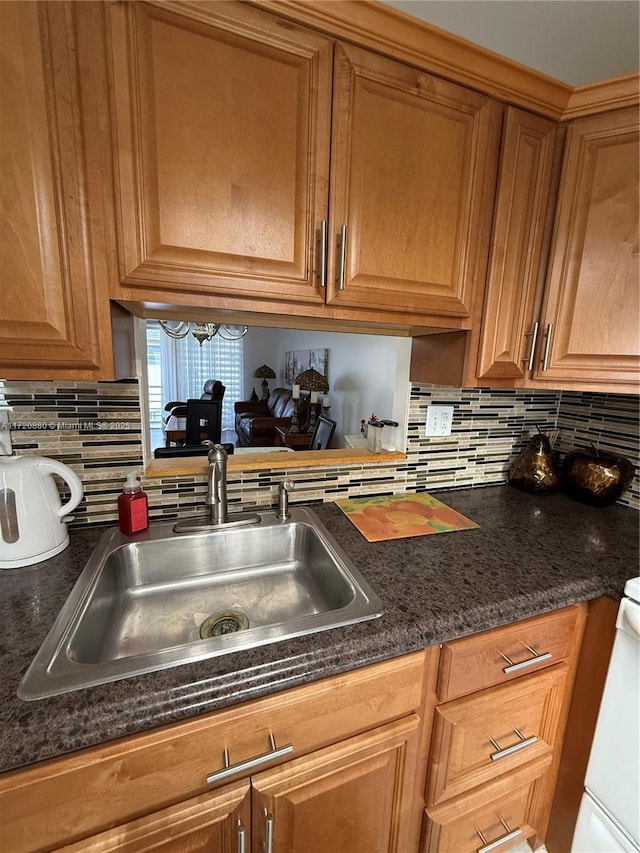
{"x":265,"y":372}
{"x":314,"y":382}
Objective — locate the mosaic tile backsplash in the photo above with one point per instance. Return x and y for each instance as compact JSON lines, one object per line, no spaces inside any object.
{"x":95,"y":428}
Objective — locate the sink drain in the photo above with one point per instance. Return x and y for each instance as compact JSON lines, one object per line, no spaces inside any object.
{"x":223,"y":623}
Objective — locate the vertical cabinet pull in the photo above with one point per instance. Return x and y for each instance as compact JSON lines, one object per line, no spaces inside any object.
{"x":516,"y":747}
{"x":342,"y":264}
{"x":516,"y":667}
{"x":242,"y":837}
{"x":323,"y":250}
{"x":487,"y":847}
{"x":547,"y":346}
{"x":268,"y":832}
{"x":533,"y":334}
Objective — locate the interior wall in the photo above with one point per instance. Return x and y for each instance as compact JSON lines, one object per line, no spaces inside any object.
{"x":258,"y":350}
{"x":367,"y":373}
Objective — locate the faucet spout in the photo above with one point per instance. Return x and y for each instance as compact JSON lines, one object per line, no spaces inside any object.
{"x":217,"y":484}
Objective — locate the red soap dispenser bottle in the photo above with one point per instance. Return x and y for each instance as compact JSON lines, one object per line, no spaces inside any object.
{"x":133,"y":507}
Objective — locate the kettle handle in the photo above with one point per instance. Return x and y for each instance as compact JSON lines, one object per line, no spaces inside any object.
{"x":72,"y":480}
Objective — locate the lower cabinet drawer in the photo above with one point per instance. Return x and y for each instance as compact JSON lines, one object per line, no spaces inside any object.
{"x":480,"y":737}
{"x":493,"y":818}
{"x":503,"y":654}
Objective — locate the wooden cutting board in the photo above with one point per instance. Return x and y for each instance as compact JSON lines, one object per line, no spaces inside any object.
{"x":398,"y":516}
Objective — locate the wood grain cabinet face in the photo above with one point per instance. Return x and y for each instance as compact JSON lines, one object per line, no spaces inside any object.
{"x":476,"y":662}
{"x":413,"y":174}
{"x":54,"y":308}
{"x":226,"y":122}
{"x":218,"y":822}
{"x":592,"y":299}
{"x":358,"y":751}
{"x":222,"y":134}
{"x":507,"y":807}
{"x":479,"y":737}
{"x":352,"y":797}
{"x":509,"y":333}
{"x":497,"y":739}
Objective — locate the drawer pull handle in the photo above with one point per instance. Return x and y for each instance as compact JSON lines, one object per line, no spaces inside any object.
{"x":268,"y":832}
{"x":242,"y":838}
{"x":516,"y":667}
{"x":249,"y":763}
{"x":487,"y":847}
{"x":516,"y":747}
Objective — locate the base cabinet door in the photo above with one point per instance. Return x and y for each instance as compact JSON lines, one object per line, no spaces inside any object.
{"x":211,"y":823}
{"x":355,"y":797}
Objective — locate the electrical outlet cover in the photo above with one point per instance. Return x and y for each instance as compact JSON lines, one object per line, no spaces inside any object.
{"x":439,"y":421}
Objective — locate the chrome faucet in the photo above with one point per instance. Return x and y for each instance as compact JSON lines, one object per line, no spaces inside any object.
{"x":217,"y":484}
{"x":216,"y":500}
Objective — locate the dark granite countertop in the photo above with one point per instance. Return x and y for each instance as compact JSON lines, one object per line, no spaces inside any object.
{"x":529,"y":555}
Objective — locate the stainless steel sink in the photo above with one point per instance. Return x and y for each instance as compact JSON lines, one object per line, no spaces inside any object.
{"x":161,"y":599}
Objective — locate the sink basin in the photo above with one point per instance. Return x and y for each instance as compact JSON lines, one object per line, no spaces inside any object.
{"x":160,"y":599}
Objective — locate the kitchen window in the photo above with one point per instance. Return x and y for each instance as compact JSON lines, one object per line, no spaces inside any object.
{"x":178,"y":369}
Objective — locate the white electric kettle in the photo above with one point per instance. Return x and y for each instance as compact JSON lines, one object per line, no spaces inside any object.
{"x":32,"y":525}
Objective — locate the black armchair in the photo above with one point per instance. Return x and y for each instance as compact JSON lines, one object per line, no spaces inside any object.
{"x":213,"y":390}
{"x":177,"y":409}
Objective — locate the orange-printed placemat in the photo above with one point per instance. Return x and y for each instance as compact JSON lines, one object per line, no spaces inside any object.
{"x":398,"y":516}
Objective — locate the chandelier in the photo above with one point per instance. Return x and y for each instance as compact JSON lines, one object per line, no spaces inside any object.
{"x":203,"y":331}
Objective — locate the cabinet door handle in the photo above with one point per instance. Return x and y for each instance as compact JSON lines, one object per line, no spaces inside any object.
{"x":516,"y":667}
{"x":516,"y":747}
{"x":547,"y":347}
{"x":487,"y":847}
{"x":324,"y":248}
{"x":533,"y":334}
{"x":342,"y":265}
{"x":249,"y":763}
{"x":242,"y":838}
{"x":268,"y":832}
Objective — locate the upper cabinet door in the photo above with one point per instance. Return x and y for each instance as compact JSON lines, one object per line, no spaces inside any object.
{"x":509,"y":324}
{"x":223,"y":125}
{"x":413,"y":174}
{"x":54,"y":306}
{"x":590,"y":315}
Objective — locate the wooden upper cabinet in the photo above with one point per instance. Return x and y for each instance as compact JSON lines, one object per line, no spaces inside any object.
{"x":222,"y":134}
{"x":54,"y":308}
{"x":413,"y":172}
{"x":510,"y":324}
{"x":590,"y":314}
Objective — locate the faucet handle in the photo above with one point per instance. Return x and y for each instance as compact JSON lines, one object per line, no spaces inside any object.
{"x":284,"y":488}
{"x":216,"y":452}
